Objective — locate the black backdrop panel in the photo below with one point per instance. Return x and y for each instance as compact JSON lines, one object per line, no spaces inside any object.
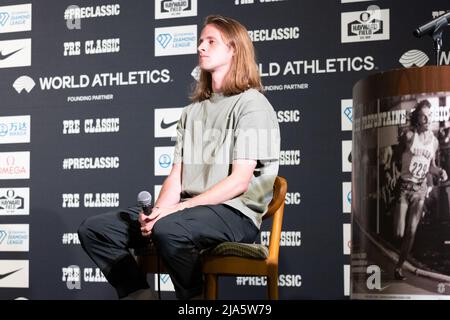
{"x":307,"y":71}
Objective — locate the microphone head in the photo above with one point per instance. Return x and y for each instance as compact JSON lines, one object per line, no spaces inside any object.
{"x":417,"y":33}
{"x":144,"y":198}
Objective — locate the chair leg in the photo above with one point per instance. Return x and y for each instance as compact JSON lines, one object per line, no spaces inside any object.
{"x":272,"y":285}
{"x":211,"y":286}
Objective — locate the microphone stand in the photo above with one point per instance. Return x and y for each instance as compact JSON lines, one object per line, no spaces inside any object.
{"x":437,"y":38}
{"x":158,"y":269}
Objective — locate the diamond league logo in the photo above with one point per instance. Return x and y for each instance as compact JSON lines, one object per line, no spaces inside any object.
{"x":165,"y":282}
{"x":3,"y":235}
{"x":165,"y":278}
{"x":164,"y":39}
{"x":348,"y":111}
{"x":346,"y":114}
{"x":175,"y":40}
{"x":4,"y":16}
{"x":15,"y":18}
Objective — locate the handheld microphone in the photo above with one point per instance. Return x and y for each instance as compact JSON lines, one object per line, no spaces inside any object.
{"x":144,"y":200}
{"x":430,"y":27}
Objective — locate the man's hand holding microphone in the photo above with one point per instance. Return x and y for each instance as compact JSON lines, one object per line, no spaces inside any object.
{"x":150,"y":215}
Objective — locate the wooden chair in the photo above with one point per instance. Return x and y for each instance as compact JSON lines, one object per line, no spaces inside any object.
{"x":237,"y":259}
{"x":149,"y":262}
{"x":232,"y":258}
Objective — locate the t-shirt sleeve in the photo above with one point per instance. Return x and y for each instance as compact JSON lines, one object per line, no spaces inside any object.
{"x":178,"y":152}
{"x":257,"y":134}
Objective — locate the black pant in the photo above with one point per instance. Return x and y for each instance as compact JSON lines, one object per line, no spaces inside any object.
{"x":178,"y":237}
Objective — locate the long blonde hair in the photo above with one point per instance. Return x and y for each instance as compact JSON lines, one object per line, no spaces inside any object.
{"x":243,"y":73}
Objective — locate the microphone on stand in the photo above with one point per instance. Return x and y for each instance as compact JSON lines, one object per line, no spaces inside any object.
{"x":435,"y":28}
{"x":430,"y":27}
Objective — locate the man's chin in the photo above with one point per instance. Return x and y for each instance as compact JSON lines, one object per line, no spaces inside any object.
{"x":205,"y":68}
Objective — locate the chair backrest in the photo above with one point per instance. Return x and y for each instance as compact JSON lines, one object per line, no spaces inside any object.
{"x":279,"y":195}
{"x":276,"y":209}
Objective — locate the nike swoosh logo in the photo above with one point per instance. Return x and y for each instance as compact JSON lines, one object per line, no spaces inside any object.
{"x":167,"y":125}
{"x":7,"y":274}
{"x":5,"y":56}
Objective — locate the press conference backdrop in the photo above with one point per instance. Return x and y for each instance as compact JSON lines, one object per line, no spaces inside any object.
{"x":90,"y":95}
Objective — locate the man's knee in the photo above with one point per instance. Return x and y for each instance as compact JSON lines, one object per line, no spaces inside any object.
{"x":86,"y":229}
{"x":161,"y":230}
{"x":93,"y":227}
{"x":168,"y":236}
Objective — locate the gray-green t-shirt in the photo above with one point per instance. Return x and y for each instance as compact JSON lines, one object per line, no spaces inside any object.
{"x":214,"y":132}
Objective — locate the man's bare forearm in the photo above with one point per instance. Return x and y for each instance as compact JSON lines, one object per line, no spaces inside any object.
{"x":226,"y":189}
{"x":232,"y":186}
{"x":171,"y":189}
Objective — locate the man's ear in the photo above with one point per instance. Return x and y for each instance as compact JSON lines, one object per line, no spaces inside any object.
{"x":232,"y":48}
